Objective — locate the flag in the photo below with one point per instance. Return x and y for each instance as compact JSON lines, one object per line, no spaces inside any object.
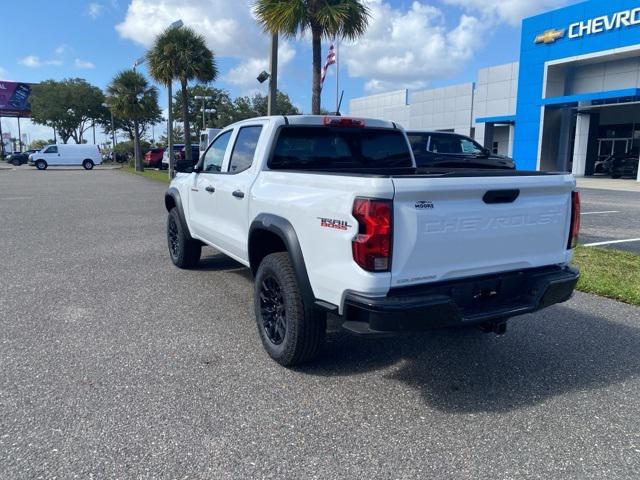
{"x":331,"y":59}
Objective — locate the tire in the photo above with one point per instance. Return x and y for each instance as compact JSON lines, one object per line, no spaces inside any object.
{"x":291,"y":330}
{"x":88,"y":164}
{"x":184,"y":251}
{"x":15,"y":163}
{"x":615,"y":175}
{"x":41,"y":165}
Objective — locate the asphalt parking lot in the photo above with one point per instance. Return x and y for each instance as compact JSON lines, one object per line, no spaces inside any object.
{"x":610,"y":219}
{"x":115,"y":364}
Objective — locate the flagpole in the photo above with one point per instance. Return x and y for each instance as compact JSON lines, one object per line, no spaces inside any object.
{"x":337,"y":75}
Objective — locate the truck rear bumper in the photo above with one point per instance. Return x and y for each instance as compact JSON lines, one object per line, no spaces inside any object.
{"x":471,"y":301}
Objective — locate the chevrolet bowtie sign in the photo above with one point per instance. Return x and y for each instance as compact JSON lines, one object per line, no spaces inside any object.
{"x":550,"y":36}
{"x":604,"y":23}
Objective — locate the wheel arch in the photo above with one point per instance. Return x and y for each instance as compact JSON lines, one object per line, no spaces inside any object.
{"x":270,"y":234}
{"x":172,"y":200}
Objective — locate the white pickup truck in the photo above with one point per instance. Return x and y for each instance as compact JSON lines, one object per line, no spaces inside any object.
{"x":331,"y":215}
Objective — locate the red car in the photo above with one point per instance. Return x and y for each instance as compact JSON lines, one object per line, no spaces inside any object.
{"x":153,"y":158}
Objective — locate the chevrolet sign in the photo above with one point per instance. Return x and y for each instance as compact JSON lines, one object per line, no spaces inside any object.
{"x":549,"y":36}
{"x":603,"y":23}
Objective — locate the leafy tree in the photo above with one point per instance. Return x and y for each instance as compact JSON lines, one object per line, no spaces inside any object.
{"x":220,"y":102}
{"x":324,"y":18}
{"x":132,"y":98}
{"x":283,"y":105}
{"x":150,"y":118}
{"x":40,"y":144}
{"x":182,"y":54}
{"x":129,"y":147}
{"x":70,"y":106}
{"x":177,"y":136}
{"x":228,"y":111}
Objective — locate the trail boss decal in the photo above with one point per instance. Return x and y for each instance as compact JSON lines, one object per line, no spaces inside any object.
{"x":333,"y":223}
{"x":424,"y":205}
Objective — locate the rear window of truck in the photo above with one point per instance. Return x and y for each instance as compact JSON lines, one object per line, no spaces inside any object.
{"x":339,"y":149}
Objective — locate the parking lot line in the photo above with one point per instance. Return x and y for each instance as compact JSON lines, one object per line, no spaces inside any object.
{"x":598,"y":213}
{"x":611,"y":242}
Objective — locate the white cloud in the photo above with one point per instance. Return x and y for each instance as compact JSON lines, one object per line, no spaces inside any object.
{"x":408,"y":49}
{"x":3,"y":72}
{"x":94,"y":10}
{"x":61,"y":49}
{"x":31,"y":61}
{"x":83,"y":64}
{"x":228,"y":25}
{"x":244,"y":74}
{"x":507,"y":11}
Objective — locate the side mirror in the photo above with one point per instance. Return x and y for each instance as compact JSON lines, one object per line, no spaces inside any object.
{"x":184,"y":166}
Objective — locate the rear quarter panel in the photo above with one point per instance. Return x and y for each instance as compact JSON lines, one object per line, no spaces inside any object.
{"x":319,"y":208}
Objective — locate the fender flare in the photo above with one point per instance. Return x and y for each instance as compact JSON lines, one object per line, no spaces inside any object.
{"x":172,"y":195}
{"x":285,"y":231}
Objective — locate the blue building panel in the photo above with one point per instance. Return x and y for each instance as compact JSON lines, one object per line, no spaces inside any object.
{"x":533,"y":57}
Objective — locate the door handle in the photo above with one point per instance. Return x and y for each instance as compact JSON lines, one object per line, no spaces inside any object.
{"x":210,"y":189}
{"x":238,"y":194}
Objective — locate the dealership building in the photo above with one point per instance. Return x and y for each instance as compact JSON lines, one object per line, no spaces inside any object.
{"x":572,"y":100}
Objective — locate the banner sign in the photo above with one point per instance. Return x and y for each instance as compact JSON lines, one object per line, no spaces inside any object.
{"x":14,"y":99}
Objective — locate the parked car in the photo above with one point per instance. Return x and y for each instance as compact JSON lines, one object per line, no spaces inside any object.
{"x":443,"y":150}
{"x":195,"y":154}
{"x":67,"y":154}
{"x":624,"y":166}
{"x":331,"y":216}
{"x":165,"y":156}
{"x":153,"y":157}
{"x":18,"y":158}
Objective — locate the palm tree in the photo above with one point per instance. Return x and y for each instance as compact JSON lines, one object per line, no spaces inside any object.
{"x":181,"y":53}
{"x":325,"y":18}
{"x":131,"y":98}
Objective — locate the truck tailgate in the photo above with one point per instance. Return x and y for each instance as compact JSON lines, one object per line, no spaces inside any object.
{"x":447,"y":227}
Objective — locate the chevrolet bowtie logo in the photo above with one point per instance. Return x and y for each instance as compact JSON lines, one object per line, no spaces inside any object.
{"x":549,"y":36}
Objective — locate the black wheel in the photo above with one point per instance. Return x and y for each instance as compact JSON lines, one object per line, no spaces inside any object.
{"x":15,"y":163}
{"x":183,"y":250}
{"x":615,"y":175}
{"x":41,"y":165}
{"x":291,"y":330}
{"x":88,"y":164}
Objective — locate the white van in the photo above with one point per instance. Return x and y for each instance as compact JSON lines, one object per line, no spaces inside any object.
{"x":206,"y":137}
{"x":62,"y":154}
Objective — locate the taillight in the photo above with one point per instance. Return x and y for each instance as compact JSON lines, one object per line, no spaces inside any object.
{"x":574,"y":231}
{"x":343,"y":122}
{"x":372,"y":245}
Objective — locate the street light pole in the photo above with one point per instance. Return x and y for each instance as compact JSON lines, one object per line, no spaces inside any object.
{"x":204,"y":99}
{"x":273,"y":79}
{"x":19,"y":134}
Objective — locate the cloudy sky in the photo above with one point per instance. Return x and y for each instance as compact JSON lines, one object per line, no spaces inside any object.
{"x":413,"y":44}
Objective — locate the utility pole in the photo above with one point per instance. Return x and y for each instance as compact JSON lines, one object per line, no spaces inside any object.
{"x":273,"y":79}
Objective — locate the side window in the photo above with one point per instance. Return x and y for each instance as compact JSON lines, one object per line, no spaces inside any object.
{"x":215,"y":155}
{"x":469,"y":147}
{"x":53,"y":149}
{"x":244,"y":149}
{"x":419,"y":143}
{"x":447,"y":144}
